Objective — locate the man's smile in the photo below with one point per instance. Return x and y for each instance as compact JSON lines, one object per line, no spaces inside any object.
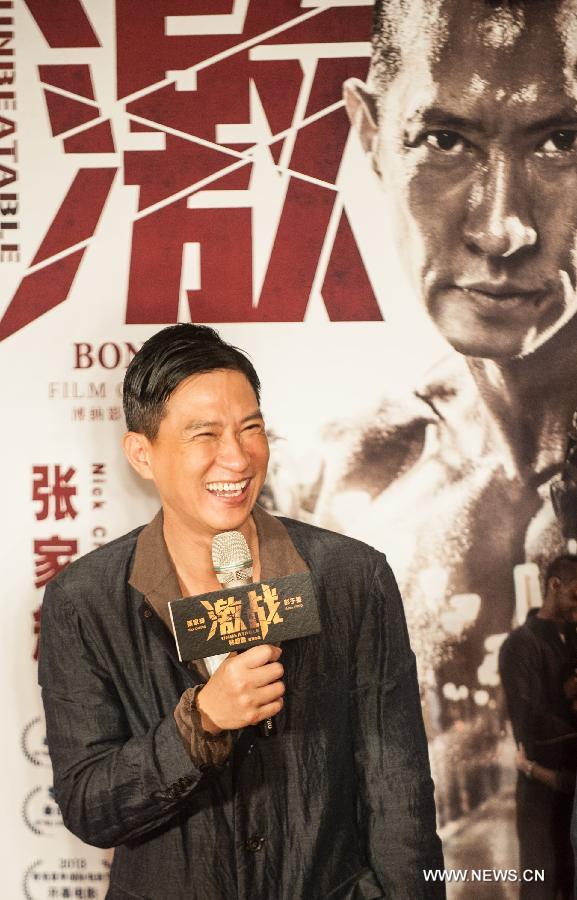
{"x":230,"y":489}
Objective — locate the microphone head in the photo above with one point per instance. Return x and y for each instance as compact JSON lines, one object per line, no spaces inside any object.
{"x":231,"y":558}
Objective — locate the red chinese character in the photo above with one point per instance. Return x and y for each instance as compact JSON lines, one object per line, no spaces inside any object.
{"x":52,"y":488}
{"x":208,"y":137}
{"x":52,"y":555}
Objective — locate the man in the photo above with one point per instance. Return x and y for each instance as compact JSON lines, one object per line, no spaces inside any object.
{"x":164,"y":762}
{"x":537,"y":665}
{"x":470,"y":120}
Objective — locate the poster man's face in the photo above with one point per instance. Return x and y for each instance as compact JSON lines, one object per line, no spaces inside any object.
{"x":476,"y":140}
{"x":566,"y":600}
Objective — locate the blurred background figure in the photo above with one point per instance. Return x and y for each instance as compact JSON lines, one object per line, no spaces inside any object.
{"x":537,"y":666}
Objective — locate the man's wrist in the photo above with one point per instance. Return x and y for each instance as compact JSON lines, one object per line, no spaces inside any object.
{"x":206,"y":723}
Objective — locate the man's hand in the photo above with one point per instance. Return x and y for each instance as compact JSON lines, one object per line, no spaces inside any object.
{"x":523,"y":764}
{"x":570,"y":687}
{"x":244,"y":690}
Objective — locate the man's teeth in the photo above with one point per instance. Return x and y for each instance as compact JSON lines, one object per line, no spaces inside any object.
{"x":230,"y":488}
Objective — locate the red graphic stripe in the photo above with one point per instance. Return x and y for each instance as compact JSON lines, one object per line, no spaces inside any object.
{"x":79,"y":214}
{"x":75,"y":221}
{"x":74,"y":78}
{"x":40,"y":292}
{"x":65,"y":113}
{"x":63,"y":23}
{"x":93,"y":140}
{"x":347,"y":291}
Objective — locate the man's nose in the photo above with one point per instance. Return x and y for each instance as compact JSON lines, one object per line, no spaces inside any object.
{"x":499,"y":222}
{"x":231,"y":453}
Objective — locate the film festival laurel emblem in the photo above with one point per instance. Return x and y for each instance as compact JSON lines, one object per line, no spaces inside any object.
{"x":74,"y":877}
{"x":33,"y":742}
{"x":235,"y":618}
{"x":40,"y":811}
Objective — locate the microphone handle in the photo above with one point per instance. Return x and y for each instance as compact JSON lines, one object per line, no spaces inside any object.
{"x":267,"y":728}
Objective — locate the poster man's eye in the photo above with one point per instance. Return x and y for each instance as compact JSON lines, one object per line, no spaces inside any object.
{"x":449,"y":142}
{"x":562,"y":141}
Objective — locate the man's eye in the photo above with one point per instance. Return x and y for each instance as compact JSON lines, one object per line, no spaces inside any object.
{"x":562,"y":141}
{"x":449,"y":142}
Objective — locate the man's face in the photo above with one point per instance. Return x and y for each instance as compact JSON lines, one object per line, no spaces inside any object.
{"x":210,"y":455}
{"x":476,"y":141}
{"x":566,"y":600}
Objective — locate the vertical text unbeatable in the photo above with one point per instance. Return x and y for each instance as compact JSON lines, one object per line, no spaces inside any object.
{"x":9,"y":246}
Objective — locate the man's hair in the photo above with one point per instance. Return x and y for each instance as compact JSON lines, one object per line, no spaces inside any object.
{"x":389,"y":20}
{"x":562,"y":567}
{"x":168,"y":358}
{"x":386,"y":53}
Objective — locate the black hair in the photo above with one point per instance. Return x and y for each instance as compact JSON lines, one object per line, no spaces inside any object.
{"x":168,"y":358}
{"x":386,"y":50}
{"x":388,"y":15}
{"x":563,"y":567}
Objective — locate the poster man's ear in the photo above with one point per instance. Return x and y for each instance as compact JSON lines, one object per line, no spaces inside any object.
{"x":361,"y":107}
{"x":136,"y":447}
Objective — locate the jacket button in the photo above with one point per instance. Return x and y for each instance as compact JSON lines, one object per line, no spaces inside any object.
{"x":147,"y":613}
{"x":254,"y":843}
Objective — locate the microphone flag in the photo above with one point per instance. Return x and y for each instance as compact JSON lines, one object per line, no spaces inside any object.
{"x":242,"y":616}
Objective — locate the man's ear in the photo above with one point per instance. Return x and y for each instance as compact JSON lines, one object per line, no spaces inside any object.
{"x":136,"y":447}
{"x":361,"y":107}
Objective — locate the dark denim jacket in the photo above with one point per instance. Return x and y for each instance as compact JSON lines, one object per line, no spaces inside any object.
{"x":338,"y":804}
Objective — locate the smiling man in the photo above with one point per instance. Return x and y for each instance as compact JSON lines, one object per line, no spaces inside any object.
{"x":469,"y":118}
{"x":162,"y":760}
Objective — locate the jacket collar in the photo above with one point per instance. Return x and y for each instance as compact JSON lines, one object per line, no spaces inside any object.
{"x":550,"y":631}
{"x":153,"y":573}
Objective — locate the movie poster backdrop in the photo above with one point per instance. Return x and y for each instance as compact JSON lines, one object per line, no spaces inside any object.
{"x":165,"y":161}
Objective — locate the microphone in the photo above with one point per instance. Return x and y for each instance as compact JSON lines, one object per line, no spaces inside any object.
{"x":231,"y":559}
{"x":243,"y":613}
{"x":233,"y":566}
